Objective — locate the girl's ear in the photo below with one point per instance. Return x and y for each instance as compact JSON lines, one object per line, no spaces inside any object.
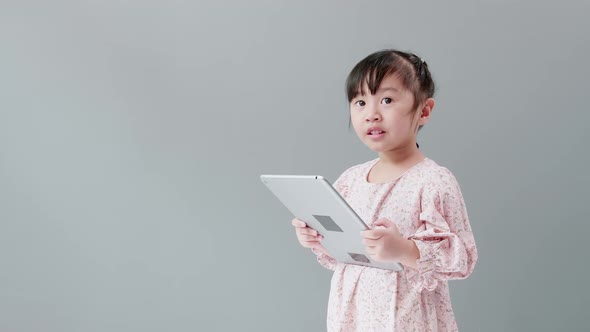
{"x":426,"y":111}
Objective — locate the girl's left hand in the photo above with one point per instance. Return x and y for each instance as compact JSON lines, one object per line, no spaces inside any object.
{"x":386,"y":244}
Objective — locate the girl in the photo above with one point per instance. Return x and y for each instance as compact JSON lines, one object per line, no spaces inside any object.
{"x":413,"y":206}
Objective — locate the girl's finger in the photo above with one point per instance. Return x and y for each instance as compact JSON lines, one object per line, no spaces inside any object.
{"x":373,"y":234}
{"x":309,"y":238}
{"x":310,"y":244}
{"x":298,"y":223}
{"x":369,"y":242}
{"x":310,"y":231}
{"x":306,"y":231}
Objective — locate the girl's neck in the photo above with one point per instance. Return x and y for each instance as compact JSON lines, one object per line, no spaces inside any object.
{"x":401,"y":157}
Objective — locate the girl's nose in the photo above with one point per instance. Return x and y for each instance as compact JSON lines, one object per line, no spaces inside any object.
{"x":373,"y":117}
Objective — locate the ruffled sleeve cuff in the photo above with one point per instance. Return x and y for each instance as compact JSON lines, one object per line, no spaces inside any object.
{"x":325,"y":260}
{"x":424,"y":276}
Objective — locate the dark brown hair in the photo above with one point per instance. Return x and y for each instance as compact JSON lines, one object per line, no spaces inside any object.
{"x":412,"y":70}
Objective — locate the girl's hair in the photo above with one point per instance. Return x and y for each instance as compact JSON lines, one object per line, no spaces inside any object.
{"x":411,"y":69}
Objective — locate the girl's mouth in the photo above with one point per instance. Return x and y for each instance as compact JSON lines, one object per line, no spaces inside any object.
{"x":376,"y":134}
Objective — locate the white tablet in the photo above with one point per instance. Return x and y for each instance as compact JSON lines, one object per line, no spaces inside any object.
{"x":312,"y":199}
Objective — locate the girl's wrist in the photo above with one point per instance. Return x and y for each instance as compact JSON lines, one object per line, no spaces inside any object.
{"x":411,"y":254}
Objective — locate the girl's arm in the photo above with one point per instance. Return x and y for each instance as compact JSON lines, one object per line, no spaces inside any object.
{"x":320,"y":249}
{"x":324,"y":258}
{"x":445,"y":242}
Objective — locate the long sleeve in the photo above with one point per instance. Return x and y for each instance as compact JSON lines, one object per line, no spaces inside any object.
{"x":342,"y":188}
{"x":325,"y":260}
{"x":444,"y":239}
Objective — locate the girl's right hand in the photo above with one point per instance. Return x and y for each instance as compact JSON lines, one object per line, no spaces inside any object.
{"x":308,"y":238}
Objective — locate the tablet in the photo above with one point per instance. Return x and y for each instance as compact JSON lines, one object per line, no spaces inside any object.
{"x":312,"y":199}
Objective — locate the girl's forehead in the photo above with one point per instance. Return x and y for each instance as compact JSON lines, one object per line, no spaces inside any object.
{"x":393,"y":80}
{"x":389,"y":82}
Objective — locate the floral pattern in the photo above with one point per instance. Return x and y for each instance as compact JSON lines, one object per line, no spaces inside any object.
{"x":427,"y":206}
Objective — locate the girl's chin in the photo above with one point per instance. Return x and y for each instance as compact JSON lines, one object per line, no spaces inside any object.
{"x":382,"y":147}
{"x":377,"y":148}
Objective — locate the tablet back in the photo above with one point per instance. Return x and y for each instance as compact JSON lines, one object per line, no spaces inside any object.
{"x":312,"y":199}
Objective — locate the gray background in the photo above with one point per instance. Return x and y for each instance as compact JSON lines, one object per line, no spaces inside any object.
{"x":132,"y":135}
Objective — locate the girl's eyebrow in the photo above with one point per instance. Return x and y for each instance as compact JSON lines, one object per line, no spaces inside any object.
{"x":383,"y":89}
{"x":388,"y":89}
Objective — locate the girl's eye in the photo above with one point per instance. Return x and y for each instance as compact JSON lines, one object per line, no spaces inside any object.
{"x":386,"y":100}
{"x":360,"y":103}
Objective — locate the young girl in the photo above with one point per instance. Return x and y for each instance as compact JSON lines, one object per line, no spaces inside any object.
{"x":413,"y":206}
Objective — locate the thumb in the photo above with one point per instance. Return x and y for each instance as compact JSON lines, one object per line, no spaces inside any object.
{"x":384,"y":222}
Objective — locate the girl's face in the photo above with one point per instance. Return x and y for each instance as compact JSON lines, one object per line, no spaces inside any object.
{"x":386,"y":121}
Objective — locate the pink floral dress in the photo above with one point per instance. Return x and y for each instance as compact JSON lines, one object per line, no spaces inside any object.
{"x":427,"y":206}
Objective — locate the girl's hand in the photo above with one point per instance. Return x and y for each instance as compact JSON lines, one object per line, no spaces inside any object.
{"x":387,"y":244}
{"x":308,"y":238}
